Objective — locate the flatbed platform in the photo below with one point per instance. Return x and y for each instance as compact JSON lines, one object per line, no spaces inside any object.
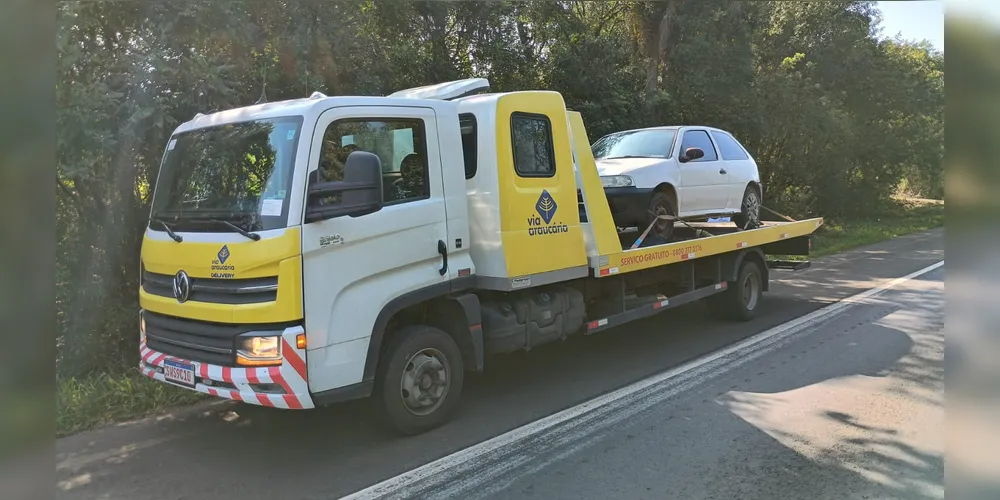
{"x":725,"y":238}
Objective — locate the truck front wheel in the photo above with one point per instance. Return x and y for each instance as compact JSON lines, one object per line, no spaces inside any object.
{"x":741,"y":298}
{"x":420,"y":380}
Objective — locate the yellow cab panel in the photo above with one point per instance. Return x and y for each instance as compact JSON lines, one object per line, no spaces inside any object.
{"x":539,"y":216}
{"x":275,"y":258}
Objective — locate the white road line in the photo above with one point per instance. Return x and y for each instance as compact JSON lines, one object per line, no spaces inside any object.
{"x":570,"y":418}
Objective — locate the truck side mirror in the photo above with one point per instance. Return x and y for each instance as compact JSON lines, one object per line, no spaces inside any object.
{"x":360,"y":193}
{"x":691,"y":154}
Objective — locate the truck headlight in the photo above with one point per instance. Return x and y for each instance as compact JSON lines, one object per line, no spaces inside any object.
{"x":257,"y":350}
{"x":614,"y":181}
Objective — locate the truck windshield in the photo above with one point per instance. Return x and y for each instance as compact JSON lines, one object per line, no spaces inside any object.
{"x":650,"y":143}
{"x":239,"y":173}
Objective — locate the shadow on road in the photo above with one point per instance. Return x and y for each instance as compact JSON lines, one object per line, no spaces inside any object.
{"x":869,"y":419}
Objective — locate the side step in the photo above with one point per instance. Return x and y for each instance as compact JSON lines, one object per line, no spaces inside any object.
{"x":660,"y":304}
{"x":793,"y":265}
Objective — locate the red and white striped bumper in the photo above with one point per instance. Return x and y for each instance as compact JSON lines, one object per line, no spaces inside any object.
{"x":237,"y":383}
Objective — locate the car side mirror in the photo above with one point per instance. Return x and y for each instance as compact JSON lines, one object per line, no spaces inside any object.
{"x":691,"y":154}
{"x":360,"y":193}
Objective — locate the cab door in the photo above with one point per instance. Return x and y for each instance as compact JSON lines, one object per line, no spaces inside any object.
{"x":354,"y":265}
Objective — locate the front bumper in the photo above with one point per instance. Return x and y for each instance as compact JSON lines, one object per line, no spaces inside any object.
{"x":629,"y":205}
{"x":286,"y":384}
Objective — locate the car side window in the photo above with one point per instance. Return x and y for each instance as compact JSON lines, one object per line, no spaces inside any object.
{"x":531,"y":139}
{"x":729,"y":147}
{"x":400,"y":144}
{"x":699,"y":139}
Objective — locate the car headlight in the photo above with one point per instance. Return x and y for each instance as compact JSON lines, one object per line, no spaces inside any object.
{"x":613,"y":181}
{"x":257,"y":350}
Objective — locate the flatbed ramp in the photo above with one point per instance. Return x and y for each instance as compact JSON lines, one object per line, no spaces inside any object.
{"x":669,"y":253}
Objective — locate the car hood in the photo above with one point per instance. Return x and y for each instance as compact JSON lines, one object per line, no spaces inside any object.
{"x":618,"y":166}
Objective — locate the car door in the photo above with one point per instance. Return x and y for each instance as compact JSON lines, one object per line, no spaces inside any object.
{"x":354,"y":265}
{"x":739,"y":165}
{"x":702,"y":181}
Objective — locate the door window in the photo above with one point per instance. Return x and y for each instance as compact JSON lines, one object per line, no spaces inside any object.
{"x":400,"y":144}
{"x":699,"y":139}
{"x":730,"y":149}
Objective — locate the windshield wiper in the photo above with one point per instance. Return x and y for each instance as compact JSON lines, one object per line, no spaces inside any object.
{"x":627,"y":156}
{"x":244,"y":232}
{"x":174,"y":236}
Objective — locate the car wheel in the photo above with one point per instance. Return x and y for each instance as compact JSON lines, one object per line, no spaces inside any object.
{"x":749,"y":216}
{"x":661,"y":204}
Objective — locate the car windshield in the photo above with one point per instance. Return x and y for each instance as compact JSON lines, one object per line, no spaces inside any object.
{"x":238,"y":173}
{"x":649,"y":143}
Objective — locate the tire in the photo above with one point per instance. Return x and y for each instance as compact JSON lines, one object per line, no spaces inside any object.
{"x":749,"y":216}
{"x":660,"y":204}
{"x":740,"y":300}
{"x":416,"y":359}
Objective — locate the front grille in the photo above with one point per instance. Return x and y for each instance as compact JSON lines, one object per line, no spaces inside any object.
{"x":202,"y":341}
{"x":214,"y":290}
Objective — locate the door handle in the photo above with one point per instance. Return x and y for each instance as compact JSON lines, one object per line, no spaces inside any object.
{"x":443,"y":250}
{"x":722,"y":171}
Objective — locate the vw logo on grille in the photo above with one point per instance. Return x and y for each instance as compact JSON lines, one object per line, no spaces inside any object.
{"x":182,"y":286}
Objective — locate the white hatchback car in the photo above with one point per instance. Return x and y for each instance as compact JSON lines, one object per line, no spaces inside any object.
{"x":692,"y":172}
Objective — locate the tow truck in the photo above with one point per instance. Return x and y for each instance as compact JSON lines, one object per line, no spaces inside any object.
{"x":316,"y":250}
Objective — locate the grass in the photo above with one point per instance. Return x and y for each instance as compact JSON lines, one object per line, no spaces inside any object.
{"x":83,"y":404}
{"x":910,"y":216}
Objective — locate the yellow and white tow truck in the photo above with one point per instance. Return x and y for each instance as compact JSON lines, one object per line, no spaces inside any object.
{"x":316,"y":250}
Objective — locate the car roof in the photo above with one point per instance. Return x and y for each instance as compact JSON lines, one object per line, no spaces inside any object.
{"x":669,"y":127}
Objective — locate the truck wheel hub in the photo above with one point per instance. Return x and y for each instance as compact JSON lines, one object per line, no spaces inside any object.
{"x":751,"y":291}
{"x":425,"y":382}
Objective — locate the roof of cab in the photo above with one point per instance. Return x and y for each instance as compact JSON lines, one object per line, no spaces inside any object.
{"x":309,"y":107}
{"x":463,"y":94}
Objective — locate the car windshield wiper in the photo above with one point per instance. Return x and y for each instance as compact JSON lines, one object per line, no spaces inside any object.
{"x":174,"y":236}
{"x":244,"y":232}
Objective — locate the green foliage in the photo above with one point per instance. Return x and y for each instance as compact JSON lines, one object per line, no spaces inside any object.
{"x":837,"y":119}
{"x":906,"y":217}
{"x":88,"y":402}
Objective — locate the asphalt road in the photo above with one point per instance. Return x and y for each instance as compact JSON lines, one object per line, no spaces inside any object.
{"x":849,"y":409}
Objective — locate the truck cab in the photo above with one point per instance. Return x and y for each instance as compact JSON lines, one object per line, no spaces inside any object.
{"x":285,"y":238}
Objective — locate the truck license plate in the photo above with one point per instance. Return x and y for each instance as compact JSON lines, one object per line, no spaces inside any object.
{"x":179,"y":372}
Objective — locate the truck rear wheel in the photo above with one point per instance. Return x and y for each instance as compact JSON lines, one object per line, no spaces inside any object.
{"x":740,"y":300}
{"x":420,"y":380}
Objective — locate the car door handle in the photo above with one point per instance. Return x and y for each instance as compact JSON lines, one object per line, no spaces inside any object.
{"x":722,"y":171}
{"x":443,"y":250}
